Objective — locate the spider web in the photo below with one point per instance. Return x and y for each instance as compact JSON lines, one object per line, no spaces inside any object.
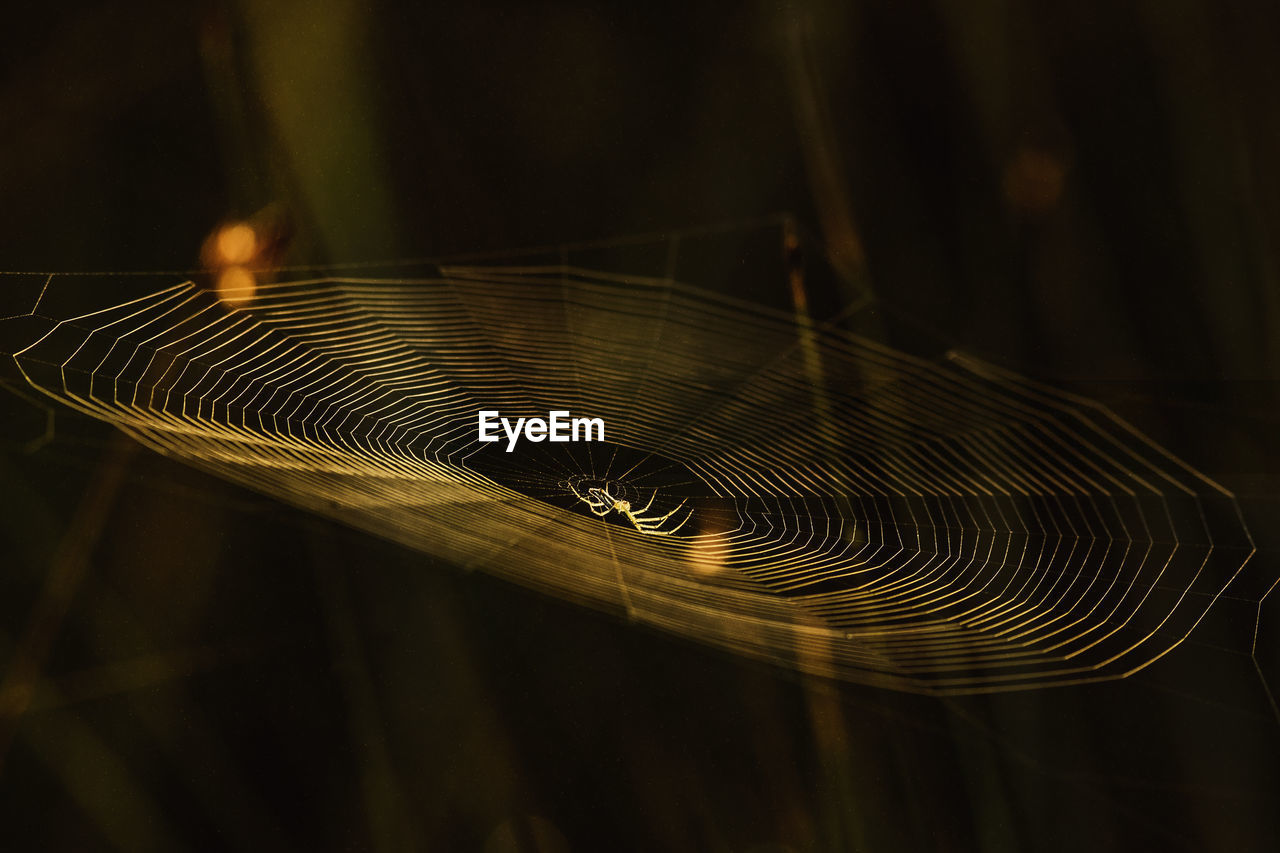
{"x":856,"y":512}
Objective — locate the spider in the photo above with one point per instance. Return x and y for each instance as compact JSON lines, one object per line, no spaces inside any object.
{"x":601,"y":502}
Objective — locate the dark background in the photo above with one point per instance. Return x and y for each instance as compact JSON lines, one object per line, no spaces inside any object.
{"x":1087,"y":193}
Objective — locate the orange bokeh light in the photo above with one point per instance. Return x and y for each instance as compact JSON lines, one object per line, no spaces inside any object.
{"x":236,"y":285}
{"x":236,"y":244}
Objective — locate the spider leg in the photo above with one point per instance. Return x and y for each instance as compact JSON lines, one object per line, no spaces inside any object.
{"x":656,"y":531}
{"x":653,"y":524}
{"x":589,"y":498}
{"x":652,"y":498}
{"x":607,"y":501}
{"x":597,"y":505}
{"x":682,"y":523}
{"x":658,"y":519}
